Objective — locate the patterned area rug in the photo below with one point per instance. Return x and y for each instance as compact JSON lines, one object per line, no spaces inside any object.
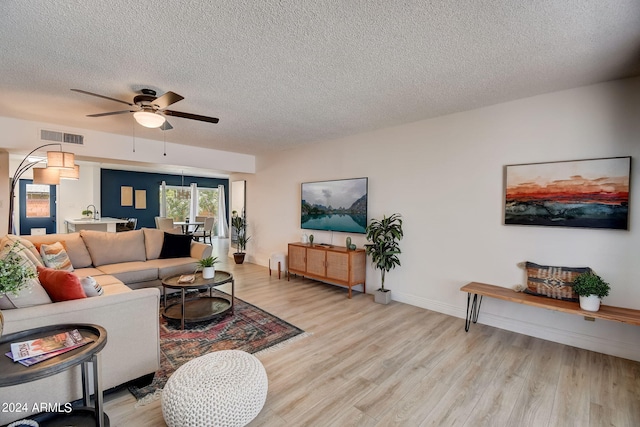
{"x":249,"y":329}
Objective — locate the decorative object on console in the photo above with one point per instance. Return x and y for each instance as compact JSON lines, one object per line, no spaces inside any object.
{"x":49,"y":175}
{"x":311,"y":239}
{"x":591,"y":289}
{"x":385,"y":236}
{"x":592,"y":193}
{"x":348,"y":243}
{"x":552,"y":281}
{"x":339,"y":205}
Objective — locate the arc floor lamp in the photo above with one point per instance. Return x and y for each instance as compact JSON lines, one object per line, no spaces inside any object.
{"x":60,"y":164}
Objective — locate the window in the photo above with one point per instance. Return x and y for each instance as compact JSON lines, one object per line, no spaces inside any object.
{"x":178,"y":201}
{"x":38,"y":201}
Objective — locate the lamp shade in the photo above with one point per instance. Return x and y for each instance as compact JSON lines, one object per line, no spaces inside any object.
{"x":47,"y":176}
{"x":149,"y":119}
{"x":70,"y":173}
{"x":60,"y":159}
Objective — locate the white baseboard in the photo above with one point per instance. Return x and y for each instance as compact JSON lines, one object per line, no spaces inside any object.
{"x":624,"y":349}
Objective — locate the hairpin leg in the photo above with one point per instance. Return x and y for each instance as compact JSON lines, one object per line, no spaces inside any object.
{"x":473,"y":309}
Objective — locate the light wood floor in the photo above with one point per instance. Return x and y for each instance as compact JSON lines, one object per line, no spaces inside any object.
{"x":367,"y":364}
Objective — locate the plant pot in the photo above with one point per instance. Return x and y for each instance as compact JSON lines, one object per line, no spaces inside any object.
{"x":382,"y":297}
{"x":590,"y":303}
{"x":238,"y":257}
{"x":208,"y":272}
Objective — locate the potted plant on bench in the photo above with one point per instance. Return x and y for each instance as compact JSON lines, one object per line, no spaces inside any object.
{"x":385,"y":236}
{"x":591,"y":289}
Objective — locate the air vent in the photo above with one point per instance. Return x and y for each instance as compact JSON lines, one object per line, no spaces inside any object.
{"x":70,"y":138}
{"x":73,"y":139}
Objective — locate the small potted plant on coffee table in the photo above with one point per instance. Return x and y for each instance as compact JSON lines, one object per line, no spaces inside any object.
{"x":591,"y":289}
{"x":208,"y":267}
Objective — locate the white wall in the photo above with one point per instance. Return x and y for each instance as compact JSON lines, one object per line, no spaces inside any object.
{"x":445,"y":176}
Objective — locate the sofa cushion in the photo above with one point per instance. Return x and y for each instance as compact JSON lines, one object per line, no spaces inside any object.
{"x":131,"y":272}
{"x":172,"y":266}
{"x":61,"y":285}
{"x":91,"y":287}
{"x":111,"y":248}
{"x":176,"y":246}
{"x":73,"y":244}
{"x":89,"y":271}
{"x":55,"y":256}
{"x":153,"y":239}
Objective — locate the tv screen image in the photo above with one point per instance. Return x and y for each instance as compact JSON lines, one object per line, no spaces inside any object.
{"x":338,"y":205}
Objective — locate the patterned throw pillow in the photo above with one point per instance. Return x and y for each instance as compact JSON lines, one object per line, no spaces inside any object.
{"x":551,"y":281}
{"x":55,"y":256}
{"x":91,"y":287}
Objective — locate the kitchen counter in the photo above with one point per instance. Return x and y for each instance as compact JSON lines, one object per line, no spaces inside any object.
{"x":102,"y":224}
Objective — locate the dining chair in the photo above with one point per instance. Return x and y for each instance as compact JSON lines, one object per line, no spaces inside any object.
{"x":166,"y":224}
{"x":206,"y":231}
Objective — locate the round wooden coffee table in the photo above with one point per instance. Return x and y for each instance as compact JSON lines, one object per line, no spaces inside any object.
{"x":198,"y":309}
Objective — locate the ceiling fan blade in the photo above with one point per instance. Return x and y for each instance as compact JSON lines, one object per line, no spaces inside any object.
{"x":191,"y":116}
{"x":110,"y":113}
{"x":167,"y":99}
{"x":166,"y":126}
{"x":102,"y":96}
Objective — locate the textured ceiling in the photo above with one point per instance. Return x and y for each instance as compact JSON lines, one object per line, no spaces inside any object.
{"x":282,"y":73}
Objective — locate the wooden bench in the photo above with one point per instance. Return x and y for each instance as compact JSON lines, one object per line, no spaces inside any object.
{"x":607,"y":312}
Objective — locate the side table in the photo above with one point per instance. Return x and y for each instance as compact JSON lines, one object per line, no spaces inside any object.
{"x":14,"y":373}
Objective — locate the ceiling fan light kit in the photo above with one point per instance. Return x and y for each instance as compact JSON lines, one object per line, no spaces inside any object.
{"x":150,"y":110}
{"x":149,"y":119}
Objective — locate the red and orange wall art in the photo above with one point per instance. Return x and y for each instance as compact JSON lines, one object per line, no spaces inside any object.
{"x":591,"y":193}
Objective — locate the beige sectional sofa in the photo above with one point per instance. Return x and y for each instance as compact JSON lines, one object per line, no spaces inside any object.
{"x":129,"y":270}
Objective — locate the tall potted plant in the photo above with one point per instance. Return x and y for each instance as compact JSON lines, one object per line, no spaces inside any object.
{"x":239,"y":225}
{"x":385,"y":236}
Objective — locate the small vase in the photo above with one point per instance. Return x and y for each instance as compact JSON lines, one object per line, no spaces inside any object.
{"x":208,"y":272}
{"x":590,"y":303}
{"x":311,"y":239}
{"x":348,"y":242}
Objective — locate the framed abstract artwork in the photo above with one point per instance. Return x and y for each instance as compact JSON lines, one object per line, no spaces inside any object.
{"x":592,"y":193}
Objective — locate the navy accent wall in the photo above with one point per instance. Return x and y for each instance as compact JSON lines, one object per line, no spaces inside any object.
{"x":111,"y":180}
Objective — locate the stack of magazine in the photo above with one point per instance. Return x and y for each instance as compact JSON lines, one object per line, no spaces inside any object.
{"x":31,"y":352}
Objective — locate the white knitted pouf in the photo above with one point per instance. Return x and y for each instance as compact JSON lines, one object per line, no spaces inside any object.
{"x":223,"y":388}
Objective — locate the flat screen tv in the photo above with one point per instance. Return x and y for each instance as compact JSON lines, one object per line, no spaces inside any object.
{"x":339,"y":205}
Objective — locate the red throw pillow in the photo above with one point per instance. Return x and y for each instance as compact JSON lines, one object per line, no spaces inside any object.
{"x":61,"y":285}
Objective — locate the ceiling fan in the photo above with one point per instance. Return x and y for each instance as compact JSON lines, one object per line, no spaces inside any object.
{"x":149,"y":110}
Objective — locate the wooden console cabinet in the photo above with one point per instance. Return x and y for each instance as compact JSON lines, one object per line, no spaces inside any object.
{"x":332,"y":264}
